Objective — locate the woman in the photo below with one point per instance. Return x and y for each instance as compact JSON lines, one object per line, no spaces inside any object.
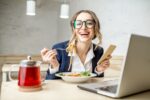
{"x":79,"y":53}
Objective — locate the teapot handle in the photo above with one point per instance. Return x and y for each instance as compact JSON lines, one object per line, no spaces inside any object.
{"x":39,"y":63}
{"x":10,"y":71}
{"x":43,"y":74}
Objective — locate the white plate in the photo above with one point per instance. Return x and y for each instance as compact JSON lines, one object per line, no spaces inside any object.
{"x":74,"y":79}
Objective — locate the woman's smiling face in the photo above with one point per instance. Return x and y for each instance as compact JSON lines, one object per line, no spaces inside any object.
{"x":84,"y":27}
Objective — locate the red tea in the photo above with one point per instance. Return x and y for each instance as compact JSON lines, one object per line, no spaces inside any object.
{"x":29,"y":76}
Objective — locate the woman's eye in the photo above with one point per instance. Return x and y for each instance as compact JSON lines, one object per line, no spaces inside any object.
{"x":78,"y":24}
{"x":89,"y":23}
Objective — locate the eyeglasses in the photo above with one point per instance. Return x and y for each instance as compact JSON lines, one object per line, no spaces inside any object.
{"x":88,"y":24}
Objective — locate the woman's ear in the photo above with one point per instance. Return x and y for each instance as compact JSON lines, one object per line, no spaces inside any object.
{"x":73,"y":27}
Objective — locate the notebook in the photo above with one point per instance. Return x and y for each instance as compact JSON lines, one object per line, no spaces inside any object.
{"x":135,"y":71}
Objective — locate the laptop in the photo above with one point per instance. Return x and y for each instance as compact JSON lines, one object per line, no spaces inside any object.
{"x":135,"y":72}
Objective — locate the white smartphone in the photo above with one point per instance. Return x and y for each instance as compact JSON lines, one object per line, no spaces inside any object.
{"x":109,"y":51}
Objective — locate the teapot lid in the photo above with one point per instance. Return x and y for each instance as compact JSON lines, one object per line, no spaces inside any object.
{"x":28,"y":62}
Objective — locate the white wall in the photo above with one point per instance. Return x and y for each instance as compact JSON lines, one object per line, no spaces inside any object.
{"x":21,"y":34}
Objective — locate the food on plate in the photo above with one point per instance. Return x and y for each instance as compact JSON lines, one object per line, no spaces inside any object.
{"x":76,"y":77}
{"x":75,"y":74}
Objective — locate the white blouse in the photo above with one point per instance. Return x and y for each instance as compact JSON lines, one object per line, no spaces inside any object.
{"x":77,"y":65}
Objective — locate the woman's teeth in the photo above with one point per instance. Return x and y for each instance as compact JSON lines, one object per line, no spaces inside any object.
{"x":84,"y":34}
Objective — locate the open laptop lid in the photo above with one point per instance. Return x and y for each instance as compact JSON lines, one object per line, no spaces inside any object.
{"x":136,"y":71}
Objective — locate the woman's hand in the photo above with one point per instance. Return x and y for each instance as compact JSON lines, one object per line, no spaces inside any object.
{"x":50,"y":57}
{"x":104,"y":65}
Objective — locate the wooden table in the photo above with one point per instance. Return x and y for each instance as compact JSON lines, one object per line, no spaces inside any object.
{"x":59,"y":90}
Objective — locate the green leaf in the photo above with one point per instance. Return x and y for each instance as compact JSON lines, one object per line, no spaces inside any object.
{"x":86,"y":73}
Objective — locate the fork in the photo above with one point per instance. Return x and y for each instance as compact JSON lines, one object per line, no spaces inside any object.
{"x":61,"y":49}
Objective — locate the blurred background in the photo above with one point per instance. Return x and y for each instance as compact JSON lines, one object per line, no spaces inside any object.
{"x":21,"y":34}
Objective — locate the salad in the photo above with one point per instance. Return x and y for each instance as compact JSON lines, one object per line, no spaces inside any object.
{"x":75,"y":74}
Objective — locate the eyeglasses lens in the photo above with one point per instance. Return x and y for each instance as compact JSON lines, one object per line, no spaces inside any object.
{"x":88,"y":23}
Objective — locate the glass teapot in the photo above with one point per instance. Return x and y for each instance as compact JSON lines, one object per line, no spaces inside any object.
{"x":29,"y":73}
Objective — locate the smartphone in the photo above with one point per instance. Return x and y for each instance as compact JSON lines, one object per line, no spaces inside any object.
{"x":108,"y":52}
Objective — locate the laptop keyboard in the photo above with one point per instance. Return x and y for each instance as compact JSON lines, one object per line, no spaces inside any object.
{"x":112,"y":88}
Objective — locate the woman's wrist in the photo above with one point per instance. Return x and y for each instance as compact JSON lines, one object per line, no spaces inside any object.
{"x":99,"y":69}
{"x":53,"y":70}
{"x":54,"y":65}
